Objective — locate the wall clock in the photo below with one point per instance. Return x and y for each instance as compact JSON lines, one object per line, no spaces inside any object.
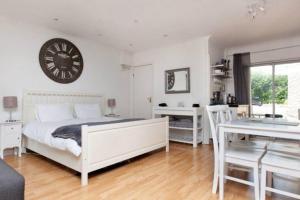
{"x":61,"y":60}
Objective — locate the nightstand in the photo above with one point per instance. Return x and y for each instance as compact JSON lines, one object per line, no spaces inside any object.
{"x":10,"y":136}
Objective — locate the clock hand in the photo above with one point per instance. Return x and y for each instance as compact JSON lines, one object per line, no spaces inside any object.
{"x":63,"y":55}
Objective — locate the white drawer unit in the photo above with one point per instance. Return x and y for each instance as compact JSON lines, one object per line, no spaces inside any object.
{"x":10,"y":136}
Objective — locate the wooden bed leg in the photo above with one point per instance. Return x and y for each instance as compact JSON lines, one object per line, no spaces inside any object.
{"x":167,"y":147}
{"x":167,"y":135}
{"x":84,"y":179}
{"x":84,"y":155}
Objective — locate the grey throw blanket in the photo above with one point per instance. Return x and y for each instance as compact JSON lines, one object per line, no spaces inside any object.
{"x":74,"y":131}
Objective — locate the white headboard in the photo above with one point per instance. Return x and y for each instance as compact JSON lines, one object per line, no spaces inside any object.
{"x":32,"y":98}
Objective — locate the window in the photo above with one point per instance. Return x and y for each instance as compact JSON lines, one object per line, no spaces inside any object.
{"x":275,"y":90}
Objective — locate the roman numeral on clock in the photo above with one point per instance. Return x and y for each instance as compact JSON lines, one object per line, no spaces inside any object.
{"x":64,"y":47}
{"x":74,"y":69}
{"x":70,"y":74}
{"x":51,"y":51}
{"x":57,"y":46}
{"x":63,"y":75}
{"x":56,"y":72}
{"x":50,"y":66}
{"x":76,"y":63}
{"x":48,"y":58}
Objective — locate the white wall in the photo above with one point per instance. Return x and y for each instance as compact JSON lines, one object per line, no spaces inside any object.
{"x":20,"y":69}
{"x":264,"y":52}
{"x":193,"y":54}
{"x":216,"y":53}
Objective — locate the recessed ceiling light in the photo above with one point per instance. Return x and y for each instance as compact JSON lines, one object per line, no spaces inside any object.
{"x":136,"y":21}
{"x":99,"y":35}
{"x":165,"y":35}
{"x":131,"y":45}
{"x":55,"y":19}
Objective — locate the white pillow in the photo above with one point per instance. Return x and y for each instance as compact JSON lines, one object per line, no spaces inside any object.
{"x":87,"y":111}
{"x":54,"y":112}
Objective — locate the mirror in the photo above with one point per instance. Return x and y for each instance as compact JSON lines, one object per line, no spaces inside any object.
{"x":177,"y":81}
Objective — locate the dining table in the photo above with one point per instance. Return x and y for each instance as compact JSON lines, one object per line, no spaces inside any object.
{"x":274,"y":128}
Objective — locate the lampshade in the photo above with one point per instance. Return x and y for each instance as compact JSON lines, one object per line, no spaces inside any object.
{"x":111,"y":103}
{"x":10,"y":102}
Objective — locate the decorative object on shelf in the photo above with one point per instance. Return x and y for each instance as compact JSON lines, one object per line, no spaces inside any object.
{"x":256,"y":7}
{"x":231,"y":100}
{"x":10,"y":103}
{"x":221,"y":69}
{"x":61,"y":60}
{"x":217,"y":99}
{"x":111,"y":103}
{"x":162,"y":105}
{"x":177,"y":81}
{"x":225,"y":63}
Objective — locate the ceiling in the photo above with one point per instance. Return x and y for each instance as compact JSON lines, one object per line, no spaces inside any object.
{"x":136,"y":25}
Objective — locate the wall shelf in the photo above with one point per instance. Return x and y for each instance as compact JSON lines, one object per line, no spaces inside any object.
{"x":221,"y":66}
{"x":223,"y":76}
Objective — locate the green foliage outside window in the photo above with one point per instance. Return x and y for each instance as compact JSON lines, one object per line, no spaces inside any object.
{"x":261,"y":88}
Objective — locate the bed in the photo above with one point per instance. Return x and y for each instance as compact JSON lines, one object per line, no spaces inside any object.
{"x":101,"y":145}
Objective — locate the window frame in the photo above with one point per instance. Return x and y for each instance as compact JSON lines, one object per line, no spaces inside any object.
{"x":273,"y":64}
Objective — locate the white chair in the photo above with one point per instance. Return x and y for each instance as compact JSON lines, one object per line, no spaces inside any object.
{"x":227,"y":116}
{"x":285,"y":146}
{"x":245,"y":156}
{"x":281,"y":163}
{"x":281,"y":147}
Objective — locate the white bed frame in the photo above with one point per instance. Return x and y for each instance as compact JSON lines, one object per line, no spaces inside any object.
{"x":102,"y":145}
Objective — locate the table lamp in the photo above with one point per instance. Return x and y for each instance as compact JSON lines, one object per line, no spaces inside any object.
{"x":111,"y":104}
{"x":10,"y":103}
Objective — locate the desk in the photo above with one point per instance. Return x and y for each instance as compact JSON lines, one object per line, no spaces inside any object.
{"x":248,"y":127}
{"x":195,"y":113}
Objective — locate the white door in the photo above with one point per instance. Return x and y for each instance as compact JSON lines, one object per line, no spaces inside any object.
{"x":142,"y":91}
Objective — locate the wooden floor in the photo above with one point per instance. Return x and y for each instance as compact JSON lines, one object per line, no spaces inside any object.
{"x":183,"y":173}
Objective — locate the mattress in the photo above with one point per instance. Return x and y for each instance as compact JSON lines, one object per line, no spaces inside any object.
{"x":42,"y":133}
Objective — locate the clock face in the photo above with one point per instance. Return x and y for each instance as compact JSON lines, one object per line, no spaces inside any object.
{"x":171,"y":80}
{"x":61,"y":61}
